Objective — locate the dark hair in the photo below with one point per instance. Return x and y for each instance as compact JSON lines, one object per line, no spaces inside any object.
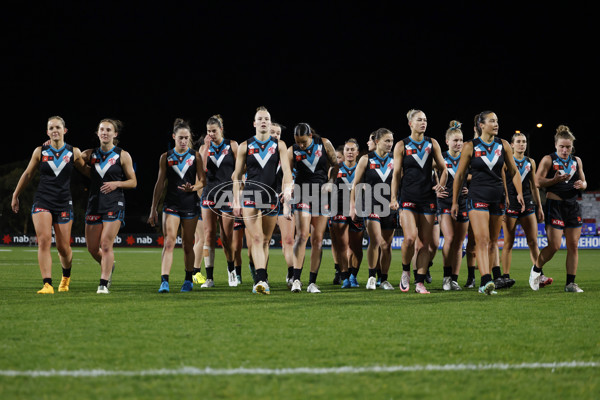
{"x":215,"y":120}
{"x":302,"y":129}
{"x":476,"y":125}
{"x":340,"y":149}
{"x":118,"y":125}
{"x":181,"y":124}
{"x":354,"y":142}
{"x":198,"y":143}
{"x":379,"y":133}
{"x":283,"y":128}
{"x":480,"y":119}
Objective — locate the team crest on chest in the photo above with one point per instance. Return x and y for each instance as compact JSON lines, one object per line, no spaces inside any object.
{"x":103,"y":162}
{"x":568,"y":167}
{"x":217,"y":156}
{"x":310,"y":158}
{"x":524,"y":167}
{"x":180,"y":163}
{"x":489,"y":154}
{"x":55,"y":161}
{"x":262,"y":152}
{"x":383,"y":167}
{"x":419,"y":151}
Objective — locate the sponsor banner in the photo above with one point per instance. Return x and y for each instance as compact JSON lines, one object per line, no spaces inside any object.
{"x":156,"y":240}
{"x":520,"y":243}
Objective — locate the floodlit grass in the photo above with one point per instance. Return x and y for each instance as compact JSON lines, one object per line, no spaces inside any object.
{"x":136,"y":329}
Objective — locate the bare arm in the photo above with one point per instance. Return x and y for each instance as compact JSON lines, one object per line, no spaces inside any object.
{"x":200,"y":174}
{"x":459,"y":176}
{"x":512,"y":169}
{"x":80,"y":162}
{"x":580,"y":184}
{"x":286,"y":184}
{"x":330,"y":152}
{"x":535,"y":192}
{"x":396,"y":174}
{"x":240,"y":166}
{"x":158,"y":189}
{"x":33,"y":165}
{"x":542,"y":172}
{"x":358,"y":177}
{"x":130,"y":181}
{"x":203,"y":150}
{"x":440,"y":165}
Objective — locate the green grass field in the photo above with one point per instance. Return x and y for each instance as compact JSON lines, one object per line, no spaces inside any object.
{"x":136,"y":343}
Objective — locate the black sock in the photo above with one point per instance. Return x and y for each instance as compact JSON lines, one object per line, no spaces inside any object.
{"x":536,"y":269}
{"x":67,"y":272}
{"x":353,"y":271}
{"x":209,"y":272}
{"x":454,"y":277}
{"x":497,"y":272}
{"x":447,"y":271}
{"x":570,"y":279}
{"x":419,"y":278}
{"x":196,"y":270}
{"x":230,"y":266}
{"x":312,"y":278}
{"x":251,"y":265}
{"x":47,"y":280}
{"x":290,"y":273}
{"x":384,"y":277}
{"x":164,"y":278}
{"x":430,"y":265}
{"x":415,"y":274}
{"x":406,"y":267}
{"x":378,"y":273}
{"x":103,"y":282}
{"x":261,"y":275}
{"x":345,"y":275}
{"x":471,"y":272}
{"x":297,"y":273}
{"x":485,"y":279}
{"x":337,"y":267}
{"x":372,"y":272}
{"x":188,"y":275}
{"x":506,"y":276}
{"x":238,"y":270}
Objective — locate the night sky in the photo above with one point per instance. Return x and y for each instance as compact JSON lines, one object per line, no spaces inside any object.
{"x":345,"y":70}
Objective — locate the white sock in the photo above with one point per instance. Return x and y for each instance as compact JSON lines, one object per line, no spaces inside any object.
{"x":209,"y":257}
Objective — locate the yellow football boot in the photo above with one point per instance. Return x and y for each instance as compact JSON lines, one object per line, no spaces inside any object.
{"x":64,"y":284}
{"x":47,"y":289}
{"x":198,"y":278}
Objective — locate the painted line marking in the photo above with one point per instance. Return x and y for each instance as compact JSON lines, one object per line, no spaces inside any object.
{"x":92,"y":373}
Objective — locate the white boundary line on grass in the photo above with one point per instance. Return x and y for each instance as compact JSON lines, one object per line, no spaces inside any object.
{"x":93,"y":373}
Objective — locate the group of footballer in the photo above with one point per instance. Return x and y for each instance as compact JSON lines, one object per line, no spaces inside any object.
{"x":473,"y":189}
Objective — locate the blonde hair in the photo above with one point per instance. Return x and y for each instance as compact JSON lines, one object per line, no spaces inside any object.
{"x":453,"y":128}
{"x":563,"y":132}
{"x":58,"y":118}
{"x":411,"y":113}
